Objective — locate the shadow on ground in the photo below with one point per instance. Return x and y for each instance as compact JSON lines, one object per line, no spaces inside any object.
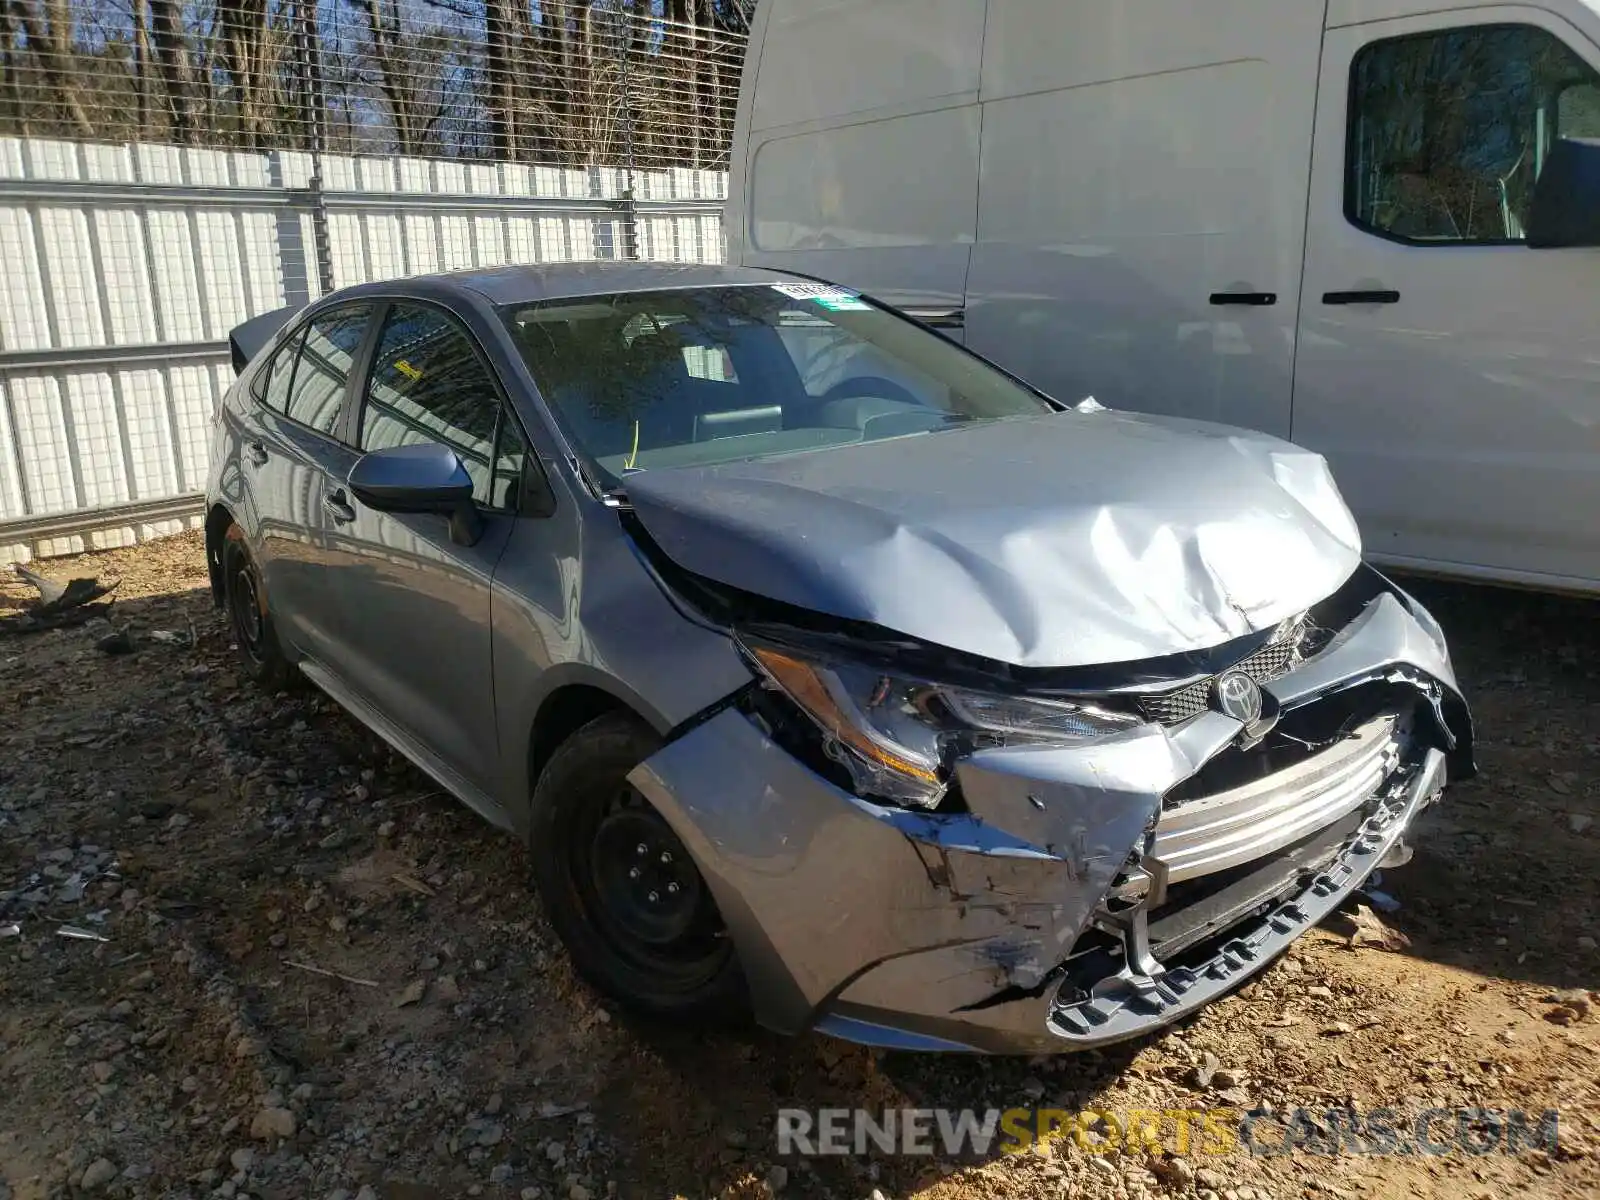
{"x":256,"y":831}
{"x":1507,"y":873}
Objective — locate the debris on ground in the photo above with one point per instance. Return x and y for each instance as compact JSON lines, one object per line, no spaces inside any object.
{"x":58,"y":597}
{"x":1363,"y":927}
{"x":58,"y":605}
{"x":1571,"y":1004}
{"x":82,"y":935}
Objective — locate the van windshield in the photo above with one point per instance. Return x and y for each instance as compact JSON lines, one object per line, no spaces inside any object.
{"x":644,"y":381}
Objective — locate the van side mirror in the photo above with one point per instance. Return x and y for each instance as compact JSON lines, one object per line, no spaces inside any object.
{"x":1566,"y":200}
{"x":428,"y":478}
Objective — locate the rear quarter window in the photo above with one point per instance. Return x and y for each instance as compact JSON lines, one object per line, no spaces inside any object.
{"x":272,"y":382}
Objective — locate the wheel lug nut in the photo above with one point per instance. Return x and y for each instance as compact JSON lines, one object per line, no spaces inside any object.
{"x":641,"y":850}
{"x":672,"y":889}
{"x":633,"y":873}
{"x":655,"y":897}
{"x":666,"y":856}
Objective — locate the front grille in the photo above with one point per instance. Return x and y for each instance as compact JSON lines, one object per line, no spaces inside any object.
{"x":1277,"y":658}
{"x":1238,"y":825}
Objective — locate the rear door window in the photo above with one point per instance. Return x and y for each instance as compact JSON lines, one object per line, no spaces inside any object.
{"x":327,"y":354}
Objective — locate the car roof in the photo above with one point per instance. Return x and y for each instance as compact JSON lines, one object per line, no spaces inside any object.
{"x":571,"y":280}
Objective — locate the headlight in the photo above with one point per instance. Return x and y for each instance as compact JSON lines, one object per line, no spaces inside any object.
{"x":895,"y":735}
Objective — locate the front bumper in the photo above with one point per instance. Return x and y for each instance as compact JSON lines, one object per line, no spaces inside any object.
{"x":1026,"y":924}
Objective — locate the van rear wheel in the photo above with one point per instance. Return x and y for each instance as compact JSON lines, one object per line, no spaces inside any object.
{"x":620,"y":887}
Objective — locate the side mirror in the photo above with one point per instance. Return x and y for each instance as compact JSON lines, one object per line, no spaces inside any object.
{"x":1566,"y":200}
{"x":427,"y":478}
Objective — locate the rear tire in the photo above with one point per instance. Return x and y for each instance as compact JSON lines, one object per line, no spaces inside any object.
{"x":245,"y":599}
{"x":620,"y":888}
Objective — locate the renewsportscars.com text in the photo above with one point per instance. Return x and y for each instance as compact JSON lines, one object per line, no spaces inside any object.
{"x":975,"y":1133}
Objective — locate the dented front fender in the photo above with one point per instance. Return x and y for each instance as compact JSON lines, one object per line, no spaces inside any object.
{"x":947,"y":930}
{"x":820,"y":888}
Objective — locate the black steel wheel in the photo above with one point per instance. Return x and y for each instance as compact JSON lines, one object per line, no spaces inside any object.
{"x":249,"y":616}
{"x":620,"y":887}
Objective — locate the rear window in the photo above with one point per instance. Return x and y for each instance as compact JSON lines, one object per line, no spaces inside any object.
{"x":656,"y":380}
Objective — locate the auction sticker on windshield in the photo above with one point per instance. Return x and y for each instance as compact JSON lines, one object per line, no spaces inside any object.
{"x":834,"y":299}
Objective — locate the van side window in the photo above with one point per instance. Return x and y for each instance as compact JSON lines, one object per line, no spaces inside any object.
{"x":1449,"y":130}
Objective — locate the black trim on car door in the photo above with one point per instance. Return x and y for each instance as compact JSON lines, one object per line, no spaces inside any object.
{"x":355,"y":389}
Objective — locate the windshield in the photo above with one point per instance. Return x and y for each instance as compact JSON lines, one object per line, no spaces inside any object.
{"x":644,"y":381}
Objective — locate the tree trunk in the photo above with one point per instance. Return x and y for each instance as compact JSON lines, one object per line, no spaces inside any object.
{"x":386,"y":60}
{"x":172,"y":64}
{"x":10,"y":68}
{"x":141,"y":71}
{"x":241,"y":40}
{"x":567,"y":82}
{"x":501,"y":53}
{"x":52,"y":46}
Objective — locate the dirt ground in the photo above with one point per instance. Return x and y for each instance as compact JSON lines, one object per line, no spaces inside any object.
{"x":313,"y":975}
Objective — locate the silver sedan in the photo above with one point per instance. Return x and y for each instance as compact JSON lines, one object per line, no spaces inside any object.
{"x":833,"y":675}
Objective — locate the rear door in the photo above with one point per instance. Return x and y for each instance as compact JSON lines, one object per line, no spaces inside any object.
{"x":856,"y":155}
{"x":1449,"y":372}
{"x":287,"y":458}
{"x":413,"y":623}
{"x":1141,"y":201}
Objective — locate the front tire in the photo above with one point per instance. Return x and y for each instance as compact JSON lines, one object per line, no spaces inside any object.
{"x":620,"y":888}
{"x":249,"y":617}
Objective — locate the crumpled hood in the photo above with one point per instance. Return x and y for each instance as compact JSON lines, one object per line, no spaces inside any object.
{"x":1056,"y":541}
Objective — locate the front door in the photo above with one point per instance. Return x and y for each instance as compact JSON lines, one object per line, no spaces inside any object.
{"x":413,"y":635}
{"x":1450,"y":373}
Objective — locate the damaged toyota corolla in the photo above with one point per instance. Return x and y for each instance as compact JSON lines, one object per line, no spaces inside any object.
{"x":830,"y":672}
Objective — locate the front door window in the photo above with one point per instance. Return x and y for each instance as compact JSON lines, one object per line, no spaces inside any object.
{"x":1449,"y":130}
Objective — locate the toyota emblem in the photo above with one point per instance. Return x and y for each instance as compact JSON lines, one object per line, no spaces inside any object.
{"x":1236,"y":695}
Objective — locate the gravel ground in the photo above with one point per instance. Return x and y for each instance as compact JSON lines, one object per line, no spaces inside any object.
{"x":313,"y":975}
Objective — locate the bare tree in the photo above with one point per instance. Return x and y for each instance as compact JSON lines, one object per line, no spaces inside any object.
{"x":49,"y":37}
{"x":242,"y":38}
{"x":408,"y":70}
{"x":576,"y":82}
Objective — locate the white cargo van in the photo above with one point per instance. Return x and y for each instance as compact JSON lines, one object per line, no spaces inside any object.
{"x":1317,"y":218}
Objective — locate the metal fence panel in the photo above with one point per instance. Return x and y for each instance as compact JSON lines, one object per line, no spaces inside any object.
{"x":127,"y":266}
{"x":171,"y":167}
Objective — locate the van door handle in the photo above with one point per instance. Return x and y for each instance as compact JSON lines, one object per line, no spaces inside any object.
{"x":1248,"y":299}
{"x":338,"y":507}
{"x":256,"y":453}
{"x":1376,"y":296}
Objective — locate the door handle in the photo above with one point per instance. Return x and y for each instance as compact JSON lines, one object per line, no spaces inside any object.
{"x":338,"y":507}
{"x":1247,"y":299}
{"x":1375,"y":296}
{"x":256,"y":453}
